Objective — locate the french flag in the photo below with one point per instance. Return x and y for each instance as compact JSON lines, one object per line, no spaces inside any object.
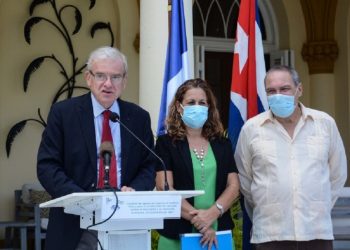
{"x":248,"y":96}
{"x":177,"y":61}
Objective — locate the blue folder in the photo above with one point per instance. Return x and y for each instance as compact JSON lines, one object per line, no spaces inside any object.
{"x":191,"y":241}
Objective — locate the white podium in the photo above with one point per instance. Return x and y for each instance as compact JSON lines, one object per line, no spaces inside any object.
{"x":137,"y":213}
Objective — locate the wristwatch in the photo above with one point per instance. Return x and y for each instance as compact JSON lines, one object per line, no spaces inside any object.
{"x":220,"y":207}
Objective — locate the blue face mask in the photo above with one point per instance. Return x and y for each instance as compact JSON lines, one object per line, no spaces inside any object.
{"x":282,"y":105}
{"x":194,"y":116}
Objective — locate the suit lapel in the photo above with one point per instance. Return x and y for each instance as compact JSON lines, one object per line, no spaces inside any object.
{"x":219,"y":158}
{"x":125,"y":137}
{"x":217,"y":151}
{"x":185,"y":154}
{"x":86,"y":122}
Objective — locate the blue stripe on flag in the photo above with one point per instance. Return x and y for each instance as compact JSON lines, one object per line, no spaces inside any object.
{"x":235,"y":125}
{"x":176,"y":66}
{"x":260,"y":106}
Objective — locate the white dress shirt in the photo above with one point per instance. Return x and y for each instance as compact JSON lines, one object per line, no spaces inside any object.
{"x":291,"y":184}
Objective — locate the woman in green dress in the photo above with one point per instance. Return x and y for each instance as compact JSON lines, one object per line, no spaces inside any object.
{"x":197,"y":156}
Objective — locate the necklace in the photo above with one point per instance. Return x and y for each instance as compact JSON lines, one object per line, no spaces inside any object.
{"x":200,"y":157}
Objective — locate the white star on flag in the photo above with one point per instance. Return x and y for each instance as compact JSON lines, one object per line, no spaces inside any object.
{"x":241,"y":47}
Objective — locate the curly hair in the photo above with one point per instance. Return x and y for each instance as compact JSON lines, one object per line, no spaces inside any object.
{"x":212,"y":128}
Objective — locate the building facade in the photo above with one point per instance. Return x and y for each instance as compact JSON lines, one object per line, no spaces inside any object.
{"x":311,"y":35}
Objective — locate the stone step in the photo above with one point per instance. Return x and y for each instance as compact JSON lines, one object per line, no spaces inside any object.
{"x":341,"y":221}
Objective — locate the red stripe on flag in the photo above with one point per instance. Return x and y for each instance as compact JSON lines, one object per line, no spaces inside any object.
{"x":238,"y":83}
{"x":244,"y":83}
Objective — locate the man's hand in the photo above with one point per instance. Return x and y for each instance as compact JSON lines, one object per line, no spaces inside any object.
{"x":127,"y":189}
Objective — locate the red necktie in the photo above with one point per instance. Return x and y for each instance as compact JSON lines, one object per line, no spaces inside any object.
{"x":107,"y":136}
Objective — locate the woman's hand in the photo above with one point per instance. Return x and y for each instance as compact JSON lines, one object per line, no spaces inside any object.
{"x":209,"y":238}
{"x":202,"y":220}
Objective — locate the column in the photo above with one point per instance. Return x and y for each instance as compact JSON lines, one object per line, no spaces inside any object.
{"x":153,"y":42}
{"x":153,"y":46}
{"x":320,"y":51}
{"x":322,"y":92}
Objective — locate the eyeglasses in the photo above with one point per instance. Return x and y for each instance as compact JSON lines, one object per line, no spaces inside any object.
{"x":102,"y":77}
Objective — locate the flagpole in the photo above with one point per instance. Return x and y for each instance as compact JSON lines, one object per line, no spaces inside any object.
{"x":169,"y":16}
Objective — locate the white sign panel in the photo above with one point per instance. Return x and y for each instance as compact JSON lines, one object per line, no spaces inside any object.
{"x":144,"y":207}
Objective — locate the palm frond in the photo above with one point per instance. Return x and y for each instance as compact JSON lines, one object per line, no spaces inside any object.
{"x":78,"y":21}
{"x":92,"y":4}
{"x":34,"y":4}
{"x":28,"y":27}
{"x":102,"y":25}
{"x":14,"y":131}
{"x":32,"y":67}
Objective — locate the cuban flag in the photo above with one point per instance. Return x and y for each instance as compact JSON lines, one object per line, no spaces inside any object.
{"x":177,"y":61}
{"x":248,"y":96}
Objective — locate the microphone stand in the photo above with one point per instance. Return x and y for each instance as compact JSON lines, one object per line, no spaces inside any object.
{"x":106,"y":156}
{"x":106,"y":162}
{"x":114,"y":117}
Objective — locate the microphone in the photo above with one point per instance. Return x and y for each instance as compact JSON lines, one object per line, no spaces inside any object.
{"x":114,"y":117}
{"x":106,"y":152}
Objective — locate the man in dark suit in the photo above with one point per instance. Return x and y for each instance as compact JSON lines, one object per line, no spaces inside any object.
{"x":68,"y":154}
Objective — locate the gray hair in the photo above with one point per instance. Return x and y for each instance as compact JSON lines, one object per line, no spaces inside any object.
{"x":291,"y":71}
{"x":107,"y":53}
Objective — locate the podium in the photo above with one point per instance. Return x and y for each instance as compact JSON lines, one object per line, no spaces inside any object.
{"x":136,"y":214}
